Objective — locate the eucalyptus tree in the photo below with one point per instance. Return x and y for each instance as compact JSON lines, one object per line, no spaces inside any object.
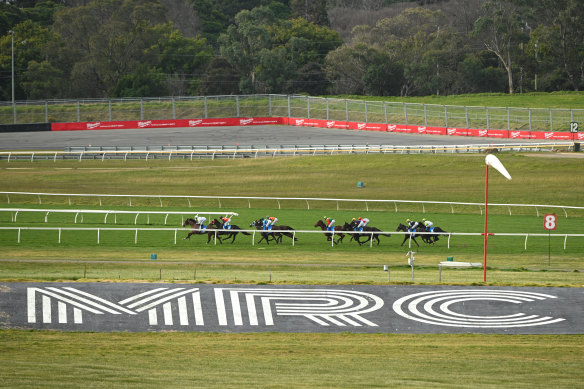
{"x":501,"y":28}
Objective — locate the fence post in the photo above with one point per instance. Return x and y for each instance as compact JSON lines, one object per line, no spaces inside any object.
{"x":466,"y":115}
{"x":110,"y":110}
{"x":488,"y":119}
{"x":141,"y":109}
{"x":289,"y":108}
{"x":445,"y":116}
{"x":327,"y":109}
{"x":385,"y":110}
{"x":366,"y":114}
{"x":46,"y":111}
{"x":173,"y":109}
{"x":508,"y":119}
{"x":237,"y":108}
{"x":551,"y":121}
{"x":206,"y":109}
{"x":270,"y":105}
{"x":78,"y":111}
{"x":529,"y":114}
{"x":425,"y":115}
{"x":308,"y":107}
{"x":406,"y":112}
{"x":347,"y":110}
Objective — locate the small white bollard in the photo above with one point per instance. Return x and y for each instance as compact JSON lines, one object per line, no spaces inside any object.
{"x":411,"y":260}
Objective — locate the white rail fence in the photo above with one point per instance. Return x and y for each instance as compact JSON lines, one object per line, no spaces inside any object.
{"x":15,"y":211}
{"x":306,"y":200}
{"x":212,"y":152}
{"x":254,"y":232}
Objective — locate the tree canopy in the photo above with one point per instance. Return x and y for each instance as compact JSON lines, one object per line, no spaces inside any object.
{"x":117,"y":48}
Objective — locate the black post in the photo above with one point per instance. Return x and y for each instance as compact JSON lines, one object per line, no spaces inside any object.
{"x":549,"y":248}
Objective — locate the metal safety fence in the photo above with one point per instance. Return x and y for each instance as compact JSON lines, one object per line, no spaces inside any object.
{"x":220,"y":201}
{"x":102,"y":153}
{"x":271,"y":105}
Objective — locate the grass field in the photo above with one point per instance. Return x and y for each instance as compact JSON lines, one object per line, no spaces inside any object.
{"x":288,"y":360}
{"x":52,"y":359}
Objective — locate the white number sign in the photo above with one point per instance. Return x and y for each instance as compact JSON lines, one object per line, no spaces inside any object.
{"x":550,"y":222}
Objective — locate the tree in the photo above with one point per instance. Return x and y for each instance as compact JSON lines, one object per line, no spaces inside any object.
{"x":500,"y":29}
{"x":143,"y":82}
{"x":110,"y":38}
{"x":313,"y":11}
{"x":220,"y":78}
{"x":43,"y":81}
{"x":564,"y":39}
{"x":268,"y":51}
{"x":244,"y":41}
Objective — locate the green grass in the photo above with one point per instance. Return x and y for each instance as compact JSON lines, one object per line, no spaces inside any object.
{"x":54,"y":359}
{"x":416,"y":177}
{"x":47,"y":359}
{"x":565,"y":99}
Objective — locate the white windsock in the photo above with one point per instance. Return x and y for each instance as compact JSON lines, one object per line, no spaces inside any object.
{"x":493,"y":161}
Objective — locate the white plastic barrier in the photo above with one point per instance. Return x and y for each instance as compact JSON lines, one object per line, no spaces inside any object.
{"x":306,"y":200}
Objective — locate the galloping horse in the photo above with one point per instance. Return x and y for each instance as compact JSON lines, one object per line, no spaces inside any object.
{"x":210,"y":231}
{"x":329,"y":235}
{"x":275,"y":232}
{"x":433,"y":237}
{"x":404,"y":228}
{"x":353,"y":227}
{"x":231,"y":233}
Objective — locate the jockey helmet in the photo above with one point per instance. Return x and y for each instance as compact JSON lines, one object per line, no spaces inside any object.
{"x":408,"y":220}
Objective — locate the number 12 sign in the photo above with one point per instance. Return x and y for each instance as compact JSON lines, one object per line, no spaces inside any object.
{"x":550,"y":222}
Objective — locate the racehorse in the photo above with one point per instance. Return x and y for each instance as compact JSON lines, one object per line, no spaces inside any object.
{"x":276,"y":232}
{"x":329,"y":235}
{"x":353,"y":227}
{"x":404,"y":228}
{"x":231,"y":233}
{"x":210,"y":231}
{"x":433,"y":237}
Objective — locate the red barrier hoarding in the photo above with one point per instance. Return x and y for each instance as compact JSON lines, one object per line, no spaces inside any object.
{"x":136,"y":124}
{"x":321,"y":123}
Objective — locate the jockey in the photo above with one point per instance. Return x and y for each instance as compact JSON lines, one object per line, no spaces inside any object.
{"x":201,"y":221}
{"x":429,"y":225}
{"x":330,"y":223}
{"x":269,"y":221}
{"x":412,"y":225}
{"x":362,"y":223}
{"x":226,"y":222}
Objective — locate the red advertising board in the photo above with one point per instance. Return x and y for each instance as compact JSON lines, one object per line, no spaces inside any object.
{"x":321,"y":123}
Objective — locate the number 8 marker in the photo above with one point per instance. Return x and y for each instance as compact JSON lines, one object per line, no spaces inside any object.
{"x":549,"y":222}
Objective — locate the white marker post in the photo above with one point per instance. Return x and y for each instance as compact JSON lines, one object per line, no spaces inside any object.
{"x":490,"y":160}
